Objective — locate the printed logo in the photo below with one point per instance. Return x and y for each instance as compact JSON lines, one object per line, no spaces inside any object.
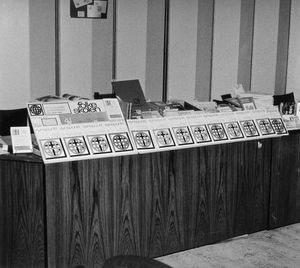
{"x":52,"y":148}
{"x":278,"y":126}
{"x":183,"y":135}
{"x":99,"y":144}
{"x":265,"y":126}
{"x":249,"y":128}
{"x":35,"y":109}
{"x":121,"y":142}
{"x":87,"y":107}
{"x":143,"y":139}
{"x":201,"y":134}
{"x":217,"y":131}
{"x":76,"y":146}
{"x":234,"y":131}
{"x":164,"y":137}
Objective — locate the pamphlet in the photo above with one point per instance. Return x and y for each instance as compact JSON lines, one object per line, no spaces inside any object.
{"x":21,"y":140}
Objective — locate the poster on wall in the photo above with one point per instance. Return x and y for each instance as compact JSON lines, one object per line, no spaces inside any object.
{"x":96,"y":9}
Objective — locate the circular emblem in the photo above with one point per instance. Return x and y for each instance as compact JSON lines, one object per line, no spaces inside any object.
{"x":183,"y":135}
{"x":121,"y":142}
{"x":36,"y":109}
{"x":249,"y":128}
{"x":234,"y":130}
{"x":217,"y":132}
{"x":52,"y":148}
{"x":278,"y":126}
{"x":164,"y":137}
{"x":76,"y":146}
{"x":99,"y":144}
{"x":201,"y":133}
{"x":265,"y":126}
{"x":143,"y":139}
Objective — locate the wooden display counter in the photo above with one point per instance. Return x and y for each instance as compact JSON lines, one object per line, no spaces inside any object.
{"x":83,"y":212}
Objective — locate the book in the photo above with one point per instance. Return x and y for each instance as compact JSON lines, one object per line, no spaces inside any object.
{"x":247,"y":103}
{"x":234,"y":101}
{"x":132,"y":92}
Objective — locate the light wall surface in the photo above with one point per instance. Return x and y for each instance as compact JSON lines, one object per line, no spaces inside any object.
{"x":85,"y":53}
{"x":293,"y":77}
{"x":198,"y":71}
{"x":265,"y":46}
{"x":27,"y":48}
{"x":131,"y":40}
{"x":14,"y":54}
{"x":182,"y":49}
{"x":75,"y":53}
{"x":225,"y":46}
{"x":42,"y":48}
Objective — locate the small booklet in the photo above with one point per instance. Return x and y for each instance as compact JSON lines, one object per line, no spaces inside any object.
{"x":21,"y":139}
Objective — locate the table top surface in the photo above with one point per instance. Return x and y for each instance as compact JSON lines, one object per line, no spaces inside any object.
{"x":28,"y":157}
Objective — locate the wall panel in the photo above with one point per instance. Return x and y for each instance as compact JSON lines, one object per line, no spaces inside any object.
{"x":246,"y":43}
{"x":225,"y":46}
{"x":182,"y":49}
{"x":204,"y":49}
{"x":283,"y":45}
{"x":86,"y":51}
{"x":102,"y":52}
{"x":293,"y":78}
{"x":265,"y":46}
{"x":14,"y":54}
{"x":76,"y":53}
{"x":131,"y":40}
{"x":42,"y":47}
{"x":155,"y":49}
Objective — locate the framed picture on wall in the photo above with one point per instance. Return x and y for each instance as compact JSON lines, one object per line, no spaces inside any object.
{"x":93,"y":9}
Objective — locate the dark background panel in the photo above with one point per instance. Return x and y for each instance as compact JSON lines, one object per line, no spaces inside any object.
{"x":285,"y":181}
{"x":22,"y":214}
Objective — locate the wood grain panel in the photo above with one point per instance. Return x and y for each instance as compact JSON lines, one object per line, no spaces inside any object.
{"x":80,"y":208}
{"x":285,"y":186}
{"x":154,"y":204}
{"x":238,"y":180}
{"x":22,"y":220}
{"x":148,"y":205}
{"x":258,"y":155}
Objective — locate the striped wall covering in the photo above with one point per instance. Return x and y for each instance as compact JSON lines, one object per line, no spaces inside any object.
{"x":293,"y":77}
{"x":213,"y":45}
{"x":177,"y":49}
{"x":266,"y":22}
{"x":225,"y":46}
{"x":282,"y":46}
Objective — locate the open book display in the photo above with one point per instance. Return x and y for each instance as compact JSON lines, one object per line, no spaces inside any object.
{"x":198,"y":129}
{"x":78,"y":130}
{"x":68,"y":131}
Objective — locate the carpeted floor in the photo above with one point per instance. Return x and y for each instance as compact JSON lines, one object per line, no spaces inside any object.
{"x":274,"y":248}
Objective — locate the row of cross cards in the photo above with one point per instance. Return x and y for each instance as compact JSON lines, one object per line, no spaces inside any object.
{"x":198,"y":129}
{"x":84,"y":141}
{"x":68,"y":131}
